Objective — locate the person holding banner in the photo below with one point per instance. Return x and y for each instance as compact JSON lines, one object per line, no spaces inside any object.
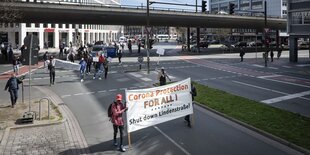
{"x":194,"y":93}
{"x":118,"y":123}
{"x":162,"y":77}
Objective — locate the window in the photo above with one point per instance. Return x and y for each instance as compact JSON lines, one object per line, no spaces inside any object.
{"x":45,"y":25}
{"x":284,"y":12}
{"x":60,"y":25}
{"x":28,"y":24}
{"x":36,"y":25}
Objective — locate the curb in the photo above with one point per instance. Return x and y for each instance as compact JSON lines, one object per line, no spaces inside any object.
{"x":264,"y":133}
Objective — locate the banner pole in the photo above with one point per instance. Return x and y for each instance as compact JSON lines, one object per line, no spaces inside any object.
{"x":129,"y":141}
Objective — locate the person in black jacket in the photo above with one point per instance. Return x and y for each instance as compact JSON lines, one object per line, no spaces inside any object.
{"x":12,"y":87}
{"x":187,"y":117}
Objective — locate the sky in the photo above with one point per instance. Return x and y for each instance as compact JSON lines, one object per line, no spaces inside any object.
{"x":139,"y":2}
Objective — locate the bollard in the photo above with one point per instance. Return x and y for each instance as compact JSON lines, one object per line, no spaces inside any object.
{"x":48,"y":106}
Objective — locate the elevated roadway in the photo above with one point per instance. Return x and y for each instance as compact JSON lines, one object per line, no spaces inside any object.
{"x":92,"y":14}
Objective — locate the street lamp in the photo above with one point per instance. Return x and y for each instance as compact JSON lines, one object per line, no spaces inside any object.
{"x":148,"y":35}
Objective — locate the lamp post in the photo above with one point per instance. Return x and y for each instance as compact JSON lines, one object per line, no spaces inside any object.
{"x":148,"y":35}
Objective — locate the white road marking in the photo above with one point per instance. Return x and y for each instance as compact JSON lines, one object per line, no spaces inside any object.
{"x":122,"y":88}
{"x":303,"y":65}
{"x":136,"y":75}
{"x":88,"y":93}
{"x":287,"y":97}
{"x":268,"y":76}
{"x":78,"y":94}
{"x":260,"y":66}
{"x":286,"y":67}
{"x":133,"y":87}
{"x":101,"y":91}
{"x":146,"y":79}
{"x":300,"y":85}
{"x":273,"y":68}
{"x":250,"y":85}
{"x":64,"y":96}
{"x":112,"y":90}
{"x":171,"y":140}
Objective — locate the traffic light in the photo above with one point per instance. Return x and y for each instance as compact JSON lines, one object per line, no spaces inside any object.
{"x":203,"y":6}
{"x":231,"y":8}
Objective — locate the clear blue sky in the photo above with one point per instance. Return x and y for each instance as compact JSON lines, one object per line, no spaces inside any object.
{"x":139,"y":2}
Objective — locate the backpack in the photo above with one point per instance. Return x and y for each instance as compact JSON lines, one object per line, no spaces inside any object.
{"x":110,"y":112}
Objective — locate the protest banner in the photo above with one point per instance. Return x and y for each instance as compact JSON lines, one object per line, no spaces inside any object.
{"x":148,"y":107}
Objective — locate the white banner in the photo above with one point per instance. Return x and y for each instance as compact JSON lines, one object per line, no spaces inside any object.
{"x":148,"y":107}
{"x":66,"y":65}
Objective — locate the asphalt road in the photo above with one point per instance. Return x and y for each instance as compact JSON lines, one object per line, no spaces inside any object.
{"x":211,"y":134}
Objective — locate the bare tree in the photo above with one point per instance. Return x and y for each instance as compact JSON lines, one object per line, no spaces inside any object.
{"x":8,"y":13}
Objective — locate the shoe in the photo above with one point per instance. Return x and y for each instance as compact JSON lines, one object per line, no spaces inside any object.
{"x":100,"y":78}
{"x":82,"y":80}
{"x":189,"y":125}
{"x":115,"y":143}
{"x":94,"y":78}
{"x":12,"y":106}
{"x":122,"y":149}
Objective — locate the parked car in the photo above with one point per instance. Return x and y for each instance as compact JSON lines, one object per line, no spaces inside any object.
{"x":257,"y":43}
{"x":303,"y":45}
{"x":100,"y":43}
{"x":203,"y":44}
{"x":241,"y":44}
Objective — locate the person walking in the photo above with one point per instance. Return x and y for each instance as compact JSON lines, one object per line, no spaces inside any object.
{"x":89,"y":63}
{"x":11,"y":55}
{"x":45,"y":56}
{"x":162,"y":77}
{"x":106,"y":68}
{"x":279,"y":52}
{"x":99,"y":67}
{"x":51,"y":68}
{"x":129,"y":45}
{"x":271,"y":55}
{"x":61,"y":50}
{"x":119,"y":55}
{"x":242,"y":53}
{"x":118,"y":108}
{"x":82,"y":69}
{"x":139,"y":46}
{"x":16,"y":63}
{"x":12,"y":87}
{"x":194,"y":93}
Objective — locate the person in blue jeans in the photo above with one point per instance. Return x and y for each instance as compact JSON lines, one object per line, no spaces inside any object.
{"x":12,"y":87}
{"x":82,"y":69}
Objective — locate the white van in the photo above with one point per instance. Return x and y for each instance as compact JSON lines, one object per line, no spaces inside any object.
{"x":122,"y":39}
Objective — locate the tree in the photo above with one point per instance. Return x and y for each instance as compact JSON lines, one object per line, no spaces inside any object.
{"x":8,"y":14}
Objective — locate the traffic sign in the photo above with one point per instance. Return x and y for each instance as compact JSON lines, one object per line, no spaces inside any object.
{"x":140,"y":59}
{"x":266,"y":30}
{"x":148,"y":29}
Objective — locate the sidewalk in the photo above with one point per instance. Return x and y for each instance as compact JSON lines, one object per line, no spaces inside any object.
{"x":59,"y":137}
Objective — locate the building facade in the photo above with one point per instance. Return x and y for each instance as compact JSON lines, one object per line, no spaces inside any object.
{"x":275,"y":9}
{"x":54,"y":34}
{"x":298,"y":24}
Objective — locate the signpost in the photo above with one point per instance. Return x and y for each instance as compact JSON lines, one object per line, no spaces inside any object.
{"x":160,"y":51}
{"x":140,"y":60}
{"x":32,"y":44}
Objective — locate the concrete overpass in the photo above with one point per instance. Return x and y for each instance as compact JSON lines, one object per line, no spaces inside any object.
{"x":85,"y":14}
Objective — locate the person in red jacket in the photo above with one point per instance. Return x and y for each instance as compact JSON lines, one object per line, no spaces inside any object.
{"x":118,"y":108}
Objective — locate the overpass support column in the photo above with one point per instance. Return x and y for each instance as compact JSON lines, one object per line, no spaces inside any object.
{"x":22,"y":33}
{"x":198,"y":39}
{"x":82,"y":37}
{"x":41,"y":36}
{"x":56,"y":38}
{"x":293,"y":49}
{"x":188,"y":38}
{"x":70,"y":34}
{"x":277,"y":39}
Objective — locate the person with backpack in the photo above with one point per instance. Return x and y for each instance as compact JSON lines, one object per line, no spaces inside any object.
{"x":12,"y":87}
{"x":162,"y":77}
{"x":187,"y":117}
{"x":115,"y":112}
{"x":51,"y":68}
{"x":82,"y":69}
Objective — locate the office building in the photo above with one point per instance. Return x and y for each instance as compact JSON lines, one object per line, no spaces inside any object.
{"x":52,"y":34}
{"x":298,"y":25}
